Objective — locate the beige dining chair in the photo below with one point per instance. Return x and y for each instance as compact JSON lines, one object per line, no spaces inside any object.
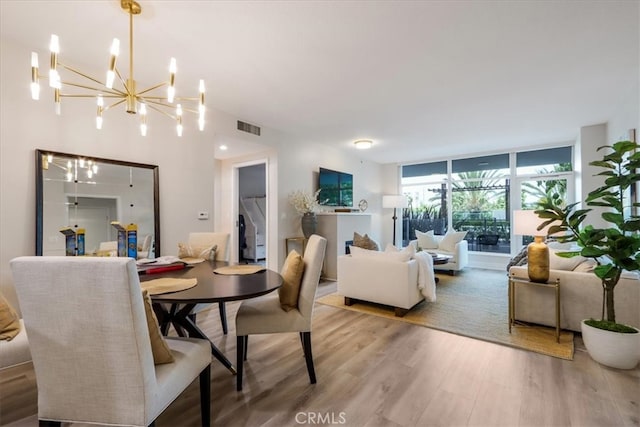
{"x":221,"y":240}
{"x":264,"y":315}
{"x":90,"y":344}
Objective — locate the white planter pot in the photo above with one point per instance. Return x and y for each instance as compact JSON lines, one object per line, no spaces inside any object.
{"x":611,"y":349}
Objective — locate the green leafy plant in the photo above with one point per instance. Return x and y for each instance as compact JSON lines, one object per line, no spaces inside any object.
{"x":615,"y":248}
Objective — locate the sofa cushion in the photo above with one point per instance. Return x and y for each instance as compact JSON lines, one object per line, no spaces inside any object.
{"x":365,"y":242}
{"x":9,"y":320}
{"x":399,"y":256}
{"x":292,"y":271}
{"x":450,"y":240}
{"x":426,"y":240}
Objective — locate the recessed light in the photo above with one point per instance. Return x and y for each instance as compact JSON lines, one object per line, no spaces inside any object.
{"x":223,"y":147}
{"x":363,"y":144}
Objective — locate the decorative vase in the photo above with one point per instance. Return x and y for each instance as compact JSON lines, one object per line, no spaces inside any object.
{"x":613,"y":349}
{"x":309,"y":224}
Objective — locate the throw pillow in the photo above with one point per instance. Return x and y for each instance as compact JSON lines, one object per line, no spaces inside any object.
{"x":292,"y":271}
{"x":450,"y":240}
{"x":426,"y":240}
{"x":365,"y":242}
{"x":520,"y":259}
{"x":559,"y":263}
{"x":187,"y":251}
{"x":586,"y":266}
{"x":159,"y":348}
{"x":9,"y":320}
{"x":399,"y":256}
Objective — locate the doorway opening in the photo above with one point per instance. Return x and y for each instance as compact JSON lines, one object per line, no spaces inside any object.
{"x":252,"y":213}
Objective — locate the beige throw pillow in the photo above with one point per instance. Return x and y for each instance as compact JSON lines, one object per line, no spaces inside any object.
{"x":365,"y":242}
{"x":9,"y":320}
{"x":426,"y":240}
{"x":292,"y":271}
{"x":159,"y":348}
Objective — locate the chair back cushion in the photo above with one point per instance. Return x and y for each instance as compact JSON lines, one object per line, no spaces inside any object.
{"x":292,"y":271}
{"x":88,"y":338}
{"x":210,"y":239}
{"x":313,"y":259}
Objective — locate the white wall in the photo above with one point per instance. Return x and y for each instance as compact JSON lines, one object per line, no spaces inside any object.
{"x":293,"y":165}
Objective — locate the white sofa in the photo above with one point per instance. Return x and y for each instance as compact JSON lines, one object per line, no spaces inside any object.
{"x":382,"y":281}
{"x":16,"y":351}
{"x":459,"y":257}
{"x":580,"y":298}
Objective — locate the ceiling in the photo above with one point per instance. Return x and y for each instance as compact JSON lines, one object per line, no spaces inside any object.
{"x":421,"y":79}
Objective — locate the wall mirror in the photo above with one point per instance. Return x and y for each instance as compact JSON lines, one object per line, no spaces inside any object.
{"x":88,"y":192}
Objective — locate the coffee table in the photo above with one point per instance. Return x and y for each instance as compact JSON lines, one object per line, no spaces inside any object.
{"x":439,"y":259}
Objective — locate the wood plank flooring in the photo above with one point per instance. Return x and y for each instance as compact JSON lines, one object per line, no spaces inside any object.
{"x":379,"y":372}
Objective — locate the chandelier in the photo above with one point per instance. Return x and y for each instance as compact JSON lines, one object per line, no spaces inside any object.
{"x":136,"y":101}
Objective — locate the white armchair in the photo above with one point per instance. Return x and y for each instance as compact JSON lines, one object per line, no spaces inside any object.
{"x":459,"y":256}
{"x":388,"y":282}
{"x":91,"y":344}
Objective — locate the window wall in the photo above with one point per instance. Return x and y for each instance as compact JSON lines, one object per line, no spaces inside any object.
{"x":478,"y":194}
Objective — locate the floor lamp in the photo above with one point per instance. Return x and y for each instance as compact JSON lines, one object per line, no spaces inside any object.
{"x":394,"y":201}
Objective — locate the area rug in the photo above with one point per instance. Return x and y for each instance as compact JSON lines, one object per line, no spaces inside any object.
{"x":474,"y":304}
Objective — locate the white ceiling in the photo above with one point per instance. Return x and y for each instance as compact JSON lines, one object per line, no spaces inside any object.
{"x":421,"y":79}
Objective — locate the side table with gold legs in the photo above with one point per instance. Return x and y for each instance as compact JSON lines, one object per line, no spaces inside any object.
{"x":512,"y":299}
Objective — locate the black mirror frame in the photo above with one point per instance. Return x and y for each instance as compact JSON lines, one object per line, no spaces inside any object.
{"x":41,"y":154}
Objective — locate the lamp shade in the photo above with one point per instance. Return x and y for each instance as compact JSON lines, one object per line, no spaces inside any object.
{"x":526,"y":223}
{"x":395,"y":201}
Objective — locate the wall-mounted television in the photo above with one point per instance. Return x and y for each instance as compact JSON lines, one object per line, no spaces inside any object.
{"x":336,"y":188}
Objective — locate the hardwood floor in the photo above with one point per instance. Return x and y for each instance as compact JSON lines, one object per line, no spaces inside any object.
{"x":378,"y":372}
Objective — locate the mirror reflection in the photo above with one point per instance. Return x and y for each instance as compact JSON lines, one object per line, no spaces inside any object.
{"x":84,"y":192}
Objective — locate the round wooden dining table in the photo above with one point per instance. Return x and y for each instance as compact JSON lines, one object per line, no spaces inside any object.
{"x":175,"y":308}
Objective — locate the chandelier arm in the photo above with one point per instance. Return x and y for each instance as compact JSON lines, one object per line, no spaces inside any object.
{"x":115,"y":104}
{"x":80,"y":73}
{"x":153,"y":100}
{"x":159,"y":85}
{"x":193,"y":98}
{"x":159,"y":110}
{"x":112,"y":93}
{"x":123,"y":81}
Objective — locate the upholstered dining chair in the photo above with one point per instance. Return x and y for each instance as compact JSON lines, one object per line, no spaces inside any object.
{"x":91,"y":346}
{"x":221,"y":240}
{"x":264,"y":315}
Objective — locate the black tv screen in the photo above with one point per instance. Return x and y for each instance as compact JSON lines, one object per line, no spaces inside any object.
{"x":336,"y":188}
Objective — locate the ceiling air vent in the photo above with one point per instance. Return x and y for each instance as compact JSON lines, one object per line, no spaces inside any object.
{"x":247,"y":127}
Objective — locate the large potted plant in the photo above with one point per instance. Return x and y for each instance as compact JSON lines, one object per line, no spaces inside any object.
{"x":615,"y":248}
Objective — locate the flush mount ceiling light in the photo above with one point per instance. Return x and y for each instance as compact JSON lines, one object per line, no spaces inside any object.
{"x":363,"y":144}
{"x":136,"y":101}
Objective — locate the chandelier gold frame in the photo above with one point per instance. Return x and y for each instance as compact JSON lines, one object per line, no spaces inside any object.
{"x":136,"y":102}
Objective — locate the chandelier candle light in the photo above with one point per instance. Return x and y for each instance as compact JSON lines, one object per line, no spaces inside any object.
{"x":134,"y":100}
